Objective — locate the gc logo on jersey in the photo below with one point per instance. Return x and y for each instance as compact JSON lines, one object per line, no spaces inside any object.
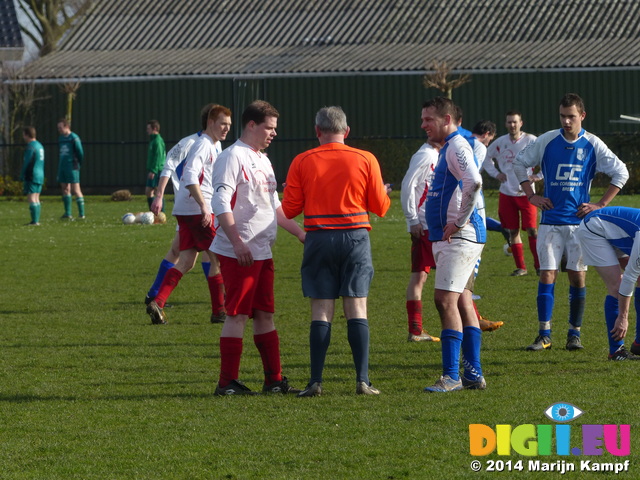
{"x":568,"y":172}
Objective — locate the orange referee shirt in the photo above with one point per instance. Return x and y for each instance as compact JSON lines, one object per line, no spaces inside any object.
{"x":336,"y":186}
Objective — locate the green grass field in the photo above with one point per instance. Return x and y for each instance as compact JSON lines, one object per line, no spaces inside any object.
{"x":89,"y":389}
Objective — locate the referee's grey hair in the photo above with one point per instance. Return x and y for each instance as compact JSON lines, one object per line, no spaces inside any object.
{"x":331,"y":120}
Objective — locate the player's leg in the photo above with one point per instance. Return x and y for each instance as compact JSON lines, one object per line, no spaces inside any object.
{"x":168,"y":262}
{"x":320,"y":284}
{"x":75,"y":190}
{"x":421,"y":263}
{"x":231,"y":335}
{"x":355,"y":311}
{"x":550,"y":249}
{"x":66,"y":200}
{"x":265,"y":334}
{"x":322,"y":310}
{"x":576,"y":271}
{"x":34,"y":203}
{"x":216,"y":288}
{"x":455,"y":264}
{"x":529,"y":215}
{"x":611,"y":277}
{"x":509,"y":217}
{"x":471,"y":342}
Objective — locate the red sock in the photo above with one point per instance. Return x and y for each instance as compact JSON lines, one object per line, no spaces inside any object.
{"x":230,"y":353}
{"x":533,"y":246}
{"x":475,"y":307}
{"x":414,"y":316}
{"x":518,"y":255}
{"x":269,"y":347}
{"x":171,"y":280}
{"x":216,"y":290}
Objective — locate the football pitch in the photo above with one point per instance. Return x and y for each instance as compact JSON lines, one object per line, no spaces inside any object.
{"x":89,"y":389}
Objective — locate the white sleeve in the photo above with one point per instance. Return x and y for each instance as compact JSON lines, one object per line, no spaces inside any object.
{"x":463,"y":166}
{"x":194,"y":165}
{"x":408,"y":189}
{"x":176,"y":155}
{"x":225,"y":171}
{"x":488,"y":163}
{"x":608,"y":163}
{"x":632,"y":271}
{"x":528,"y":158}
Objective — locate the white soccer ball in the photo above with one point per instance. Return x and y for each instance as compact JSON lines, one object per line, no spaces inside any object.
{"x":128,"y":218}
{"x":147,"y":218}
{"x":507,"y":250}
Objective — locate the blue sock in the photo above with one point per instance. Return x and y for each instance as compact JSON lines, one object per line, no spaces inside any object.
{"x":319,"y":340}
{"x":636,"y":303}
{"x":610,"y":315}
{"x":358,"y":336}
{"x":493,"y":225}
{"x":576,"y":306}
{"x":206,"y":266}
{"x":451,"y":341}
{"x":165,"y":266}
{"x":545,"y":307}
{"x":471,"y":342}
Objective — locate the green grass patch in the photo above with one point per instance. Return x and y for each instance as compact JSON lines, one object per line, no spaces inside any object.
{"x":89,"y":389}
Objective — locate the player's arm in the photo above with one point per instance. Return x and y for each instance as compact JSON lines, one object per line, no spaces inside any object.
{"x":490,"y":166}
{"x":78,"y":151}
{"x":289,"y":225}
{"x":464,"y":169}
{"x":528,"y":158}
{"x":378,"y":200}
{"x":156,"y":204}
{"x":609,"y":164}
{"x":293,"y":198}
{"x":407,"y":192}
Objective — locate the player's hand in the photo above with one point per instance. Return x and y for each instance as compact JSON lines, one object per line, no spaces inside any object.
{"x":207,"y":220}
{"x":302,"y":236}
{"x":501,"y":177}
{"x":586,"y":208}
{"x":243,"y":254}
{"x":417,"y":230}
{"x":541,"y":202}
{"x":388,"y":188}
{"x":620,"y":328}
{"x":151,"y":175}
{"x":156,"y":205}
{"x":449,"y":229}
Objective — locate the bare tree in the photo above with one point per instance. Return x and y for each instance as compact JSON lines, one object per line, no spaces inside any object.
{"x":17,"y":100}
{"x":441,"y":79}
{"x":49,"y":20}
{"x":70,"y":89}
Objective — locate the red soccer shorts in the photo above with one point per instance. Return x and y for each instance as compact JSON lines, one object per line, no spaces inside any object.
{"x":421,"y":254}
{"x":247,"y":288}
{"x":193,"y":235}
{"x":511,"y":208}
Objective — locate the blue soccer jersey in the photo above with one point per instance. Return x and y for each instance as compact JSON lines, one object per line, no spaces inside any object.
{"x":620,"y":226}
{"x":454,"y":193}
{"x":568,"y":169}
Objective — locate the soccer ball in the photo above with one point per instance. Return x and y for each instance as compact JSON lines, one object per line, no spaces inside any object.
{"x":147,"y":218}
{"x":507,"y":250}
{"x":160,"y":218}
{"x":128,"y":218}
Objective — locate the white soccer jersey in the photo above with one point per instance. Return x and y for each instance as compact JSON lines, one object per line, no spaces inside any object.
{"x":245,"y":185}
{"x":174,"y":163}
{"x":504,"y":151}
{"x":415,"y":185}
{"x":198,"y":169}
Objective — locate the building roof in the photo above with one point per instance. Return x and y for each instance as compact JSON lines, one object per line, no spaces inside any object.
{"x":147,"y":38}
{"x":11,"y":45}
